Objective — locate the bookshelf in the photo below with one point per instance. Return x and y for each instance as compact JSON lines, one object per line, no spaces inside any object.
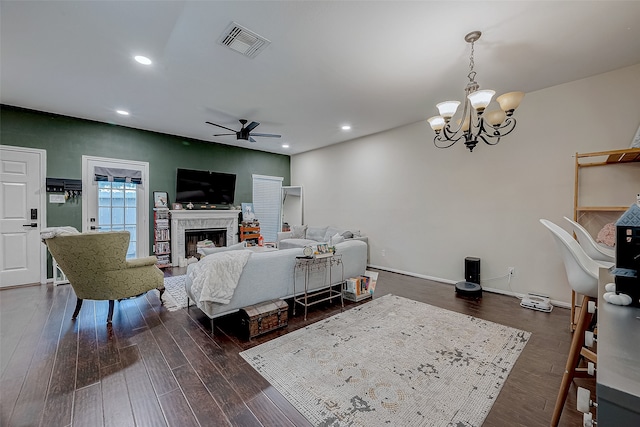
{"x":162,"y":237}
{"x":360,"y":288}
{"x":250,"y":231}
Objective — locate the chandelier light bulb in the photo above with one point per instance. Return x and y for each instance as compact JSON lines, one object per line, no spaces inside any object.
{"x":510,"y":101}
{"x":465,"y":124}
{"x":480,"y":99}
{"x":436,"y":122}
{"x":448,"y":108}
{"x":495,"y":117}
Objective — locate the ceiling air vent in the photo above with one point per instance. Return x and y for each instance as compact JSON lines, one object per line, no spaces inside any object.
{"x":243,"y":41}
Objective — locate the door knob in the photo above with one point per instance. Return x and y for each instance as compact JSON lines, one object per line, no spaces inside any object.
{"x":33,"y":224}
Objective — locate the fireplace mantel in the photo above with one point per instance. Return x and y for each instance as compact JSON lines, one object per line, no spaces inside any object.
{"x":183,"y":220}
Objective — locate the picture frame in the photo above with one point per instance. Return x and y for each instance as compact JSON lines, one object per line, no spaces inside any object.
{"x":160,"y":199}
{"x":176,"y":206}
{"x":247,"y":212}
{"x":635,"y":143}
{"x":323,"y":248}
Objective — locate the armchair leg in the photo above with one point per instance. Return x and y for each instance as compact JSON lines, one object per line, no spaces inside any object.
{"x":161,"y":290}
{"x":110,"y":315}
{"x":77,"y":310}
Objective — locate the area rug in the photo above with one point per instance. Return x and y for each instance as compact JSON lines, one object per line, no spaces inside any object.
{"x":392,"y":362}
{"x":174,"y":296}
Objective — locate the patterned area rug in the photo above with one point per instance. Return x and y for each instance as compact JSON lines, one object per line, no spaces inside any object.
{"x":174,"y":296}
{"x":392,"y":362}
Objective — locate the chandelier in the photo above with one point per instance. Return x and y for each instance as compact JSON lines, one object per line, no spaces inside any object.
{"x":475,"y":124}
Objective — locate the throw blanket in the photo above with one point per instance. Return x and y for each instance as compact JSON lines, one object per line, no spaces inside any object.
{"x":50,"y":232}
{"x":214,"y":278}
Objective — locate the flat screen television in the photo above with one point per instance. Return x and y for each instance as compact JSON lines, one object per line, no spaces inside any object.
{"x":204,"y":187}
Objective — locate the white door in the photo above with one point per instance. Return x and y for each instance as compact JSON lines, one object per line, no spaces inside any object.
{"x":117,"y":205}
{"x":22,"y":215}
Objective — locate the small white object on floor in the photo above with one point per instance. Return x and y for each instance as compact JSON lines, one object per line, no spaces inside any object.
{"x":536,"y":302}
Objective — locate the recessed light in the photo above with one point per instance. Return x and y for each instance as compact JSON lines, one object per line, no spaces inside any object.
{"x":142,"y":59}
{"x":285,"y":145}
{"x":346,"y":127}
{"x":122,"y":112}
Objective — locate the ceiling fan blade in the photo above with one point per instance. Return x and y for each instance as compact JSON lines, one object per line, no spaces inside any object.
{"x":266,"y":135}
{"x":224,"y":134}
{"x":252,"y":126}
{"x":251,"y":139}
{"x":220,"y":126}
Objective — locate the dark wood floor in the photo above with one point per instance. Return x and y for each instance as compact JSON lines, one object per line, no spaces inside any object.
{"x":154,"y":368}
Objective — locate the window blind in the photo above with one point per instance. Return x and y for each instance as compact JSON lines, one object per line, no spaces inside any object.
{"x":117,"y":175}
{"x":267,"y":203}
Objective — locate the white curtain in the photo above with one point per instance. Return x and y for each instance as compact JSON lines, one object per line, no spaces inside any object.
{"x":267,"y":203}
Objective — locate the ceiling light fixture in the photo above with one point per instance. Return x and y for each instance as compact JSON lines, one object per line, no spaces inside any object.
{"x":285,"y":145}
{"x":475,"y":124}
{"x":142,"y":60}
{"x":122,"y":112}
{"x":346,"y":127}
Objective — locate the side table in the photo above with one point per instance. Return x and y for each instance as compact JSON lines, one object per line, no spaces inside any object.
{"x":306,"y":265}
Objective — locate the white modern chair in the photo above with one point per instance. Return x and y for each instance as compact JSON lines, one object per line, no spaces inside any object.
{"x":582,"y":273}
{"x":590,"y":246}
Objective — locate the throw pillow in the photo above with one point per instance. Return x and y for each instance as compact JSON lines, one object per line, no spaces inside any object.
{"x":298,"y":231}
{"x":607,"y":235}
{"x":336,"y":238}
{"x":237,"y":246}
{"x":347,"y":234}
{"x":316,"y":233}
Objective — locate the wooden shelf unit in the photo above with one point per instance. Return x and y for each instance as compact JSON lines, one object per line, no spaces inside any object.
{"x":595,"y":159}
{"x":249,"y":233}
{"x":162,"y":238}
{"x":586,"y":160}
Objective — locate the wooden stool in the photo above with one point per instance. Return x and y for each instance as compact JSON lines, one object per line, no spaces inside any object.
{"x":576,"y":350}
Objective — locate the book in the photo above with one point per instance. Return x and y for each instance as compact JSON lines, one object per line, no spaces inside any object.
{"x":372,"y":278}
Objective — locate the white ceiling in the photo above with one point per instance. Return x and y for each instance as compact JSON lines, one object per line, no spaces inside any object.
{"x":375,"y":65}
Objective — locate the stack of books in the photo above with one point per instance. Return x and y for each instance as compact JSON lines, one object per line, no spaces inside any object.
{"x":361,"y":287}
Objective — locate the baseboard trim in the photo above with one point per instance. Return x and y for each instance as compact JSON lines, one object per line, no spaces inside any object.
{"x":555,"y":303}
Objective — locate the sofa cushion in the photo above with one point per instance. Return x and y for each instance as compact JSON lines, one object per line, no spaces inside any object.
{"x":347,"y":234}
{"x":298,"y":232}
{"x":237,"y":246}
{"x":336,"y":238}
{"x":296,"y":243}
{"x":331,"y":231}
{"x":316,"y":233}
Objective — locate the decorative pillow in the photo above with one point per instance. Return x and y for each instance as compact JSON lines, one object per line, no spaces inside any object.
{"x":607,"y":235}
{"x":336,"y":238}
{"x":316,"y":233}
{"x":237,"y":246}
{"x":331,"y":231}
{"x":298,"y":231}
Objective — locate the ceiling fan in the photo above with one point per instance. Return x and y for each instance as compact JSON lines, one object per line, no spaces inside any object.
{"x":245,"y":132}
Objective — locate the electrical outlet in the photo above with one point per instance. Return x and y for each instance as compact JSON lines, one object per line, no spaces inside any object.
{"x":384,"y":252}
{"x":512,"y":270}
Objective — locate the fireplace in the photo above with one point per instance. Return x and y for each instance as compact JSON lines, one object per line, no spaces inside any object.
{"x":193,"y":221}
{"x":191,"y":238}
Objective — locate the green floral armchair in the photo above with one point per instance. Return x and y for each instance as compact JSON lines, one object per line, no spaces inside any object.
{"x":96,"y":266}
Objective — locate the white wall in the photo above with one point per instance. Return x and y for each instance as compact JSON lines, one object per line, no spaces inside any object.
{"x":426,"y":209}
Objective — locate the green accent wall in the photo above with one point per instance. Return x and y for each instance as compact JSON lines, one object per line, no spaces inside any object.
{"x":67,"y":139}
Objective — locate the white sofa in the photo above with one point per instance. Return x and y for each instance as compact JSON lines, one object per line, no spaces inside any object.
{"x":306,"y":235}
{"x":269,"y":275}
